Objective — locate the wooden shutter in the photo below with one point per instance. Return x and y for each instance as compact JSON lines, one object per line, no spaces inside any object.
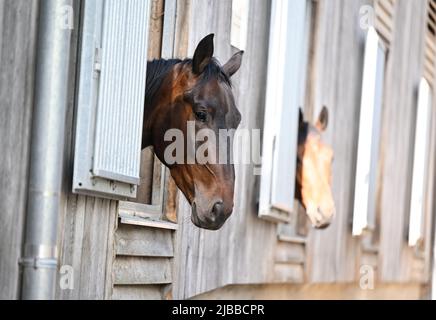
{"x":422,"y":137}
{"x":110,"y":100}
{"x":430,"y":44}
{"x":239,"y":25}
{"x":281,"y":110}
{"x":422,"y":133}
{"x":384,"y":20}
{"x":369,"y":134}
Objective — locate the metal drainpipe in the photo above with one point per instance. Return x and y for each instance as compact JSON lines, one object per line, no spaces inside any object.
{"x":46,"y":152}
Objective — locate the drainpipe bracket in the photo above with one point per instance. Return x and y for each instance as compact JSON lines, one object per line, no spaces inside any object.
{"x":38,"y":263}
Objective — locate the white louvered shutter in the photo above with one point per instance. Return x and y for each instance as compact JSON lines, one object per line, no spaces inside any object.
{"x":369,"y":134}
{"x":111,"y":92}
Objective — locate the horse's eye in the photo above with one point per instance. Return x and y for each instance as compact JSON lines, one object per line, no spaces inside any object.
{"x":201,"y":116}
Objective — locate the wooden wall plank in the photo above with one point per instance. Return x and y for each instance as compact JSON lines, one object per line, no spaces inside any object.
{"x":429,"y":230}
{"x":138,"y":292}
{"x":338,"y":63}
{"x":86,"y":224}
{"x":87,"y":246}
{"x":288,"y":273}
{"x":243,"y":250}
{"x":143,"y":241}
{"x":90,"y":233}
{"x":369,"y":259}
{"x":290,"y":252}
{"x":18,"y":21}
{"x":402,"y":77}
{"x":135,"y":270}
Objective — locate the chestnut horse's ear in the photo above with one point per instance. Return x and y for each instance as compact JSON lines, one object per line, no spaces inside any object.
{"x":323,"y":119}
{"x":233,"y":64}
{"x":203,"y":54}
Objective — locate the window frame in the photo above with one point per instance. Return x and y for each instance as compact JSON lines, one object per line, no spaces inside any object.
{"x":371,"y":106}
{"x":421,"y":153}
{"x":283,"y":98}
{"x":153,"y":215}
{"x":86,"y":180}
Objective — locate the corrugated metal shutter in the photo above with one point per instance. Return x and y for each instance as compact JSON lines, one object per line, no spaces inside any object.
{"x":430,"y":44}
{"x":110,"y":102}
{"x":122,"y":88}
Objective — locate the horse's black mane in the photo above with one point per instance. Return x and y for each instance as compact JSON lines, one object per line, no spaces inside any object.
{"x":303,"y":132}
{"x":215,"y":70}
{"x":156,"y":72}
{"x":158,"y":69}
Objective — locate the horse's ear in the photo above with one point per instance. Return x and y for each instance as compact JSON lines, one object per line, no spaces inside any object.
{"x":300,"y":117}
{"x":323,"y":119}
{"x":233,"y":64}
{"x":203,"y":54}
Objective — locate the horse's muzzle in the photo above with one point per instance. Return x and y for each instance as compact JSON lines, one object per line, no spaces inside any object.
{"x":212,"y":220}
{"x":322,"y":221}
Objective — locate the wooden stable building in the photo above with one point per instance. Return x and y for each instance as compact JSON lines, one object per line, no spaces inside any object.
{"x":125,"y":229}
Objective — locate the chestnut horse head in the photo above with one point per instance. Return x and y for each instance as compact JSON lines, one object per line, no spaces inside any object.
{"x":194,"y":92}
{"x":314,"y":171}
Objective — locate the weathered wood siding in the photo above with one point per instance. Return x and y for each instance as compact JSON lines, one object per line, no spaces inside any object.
{"x":243,"y":250}
{"x":86,"y":224}
{"x":110,"y":260}
{"x":404,"y":70}
{"x":337,"y":77}
{"x":143,"y":265}
{"x":86,"y":244}
{"x":333,"y":255}
{"x":17,"y":63}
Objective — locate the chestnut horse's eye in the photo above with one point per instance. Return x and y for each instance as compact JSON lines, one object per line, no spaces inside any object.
{"x":201,"y":116}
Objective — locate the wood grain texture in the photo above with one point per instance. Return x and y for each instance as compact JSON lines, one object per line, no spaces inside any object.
{"x":143,"y":257}
{"x":430,"y":227}
{"x":286,"y":252}
{"x":117,"y":261}
{"x":142,"y":270}
{"x":430,"y":202}
{"x":87,"y":245}
{"x":288,"y":273}
{"x":137,"y":241}
{"x":139,"y":292}
{"x":242,"y":251}
{"x":398,"y":129}
{"x":18,"y":21}
{"x":86,"y":224}
{"x":337,"y":63}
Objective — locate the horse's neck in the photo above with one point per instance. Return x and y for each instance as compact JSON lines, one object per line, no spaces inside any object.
{"x":157,"y":70}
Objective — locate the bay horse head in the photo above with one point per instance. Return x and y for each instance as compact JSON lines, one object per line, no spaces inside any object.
{"x":314,"y":171}
{"x":194,"y":92}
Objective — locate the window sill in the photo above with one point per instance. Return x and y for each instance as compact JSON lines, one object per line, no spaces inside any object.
{"x":143,"y":215}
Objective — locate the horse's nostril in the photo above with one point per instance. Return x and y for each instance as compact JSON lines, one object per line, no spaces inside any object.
{"x":323,"y":225}
{"x":218,"y":209}
{"x":322,"y":221}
